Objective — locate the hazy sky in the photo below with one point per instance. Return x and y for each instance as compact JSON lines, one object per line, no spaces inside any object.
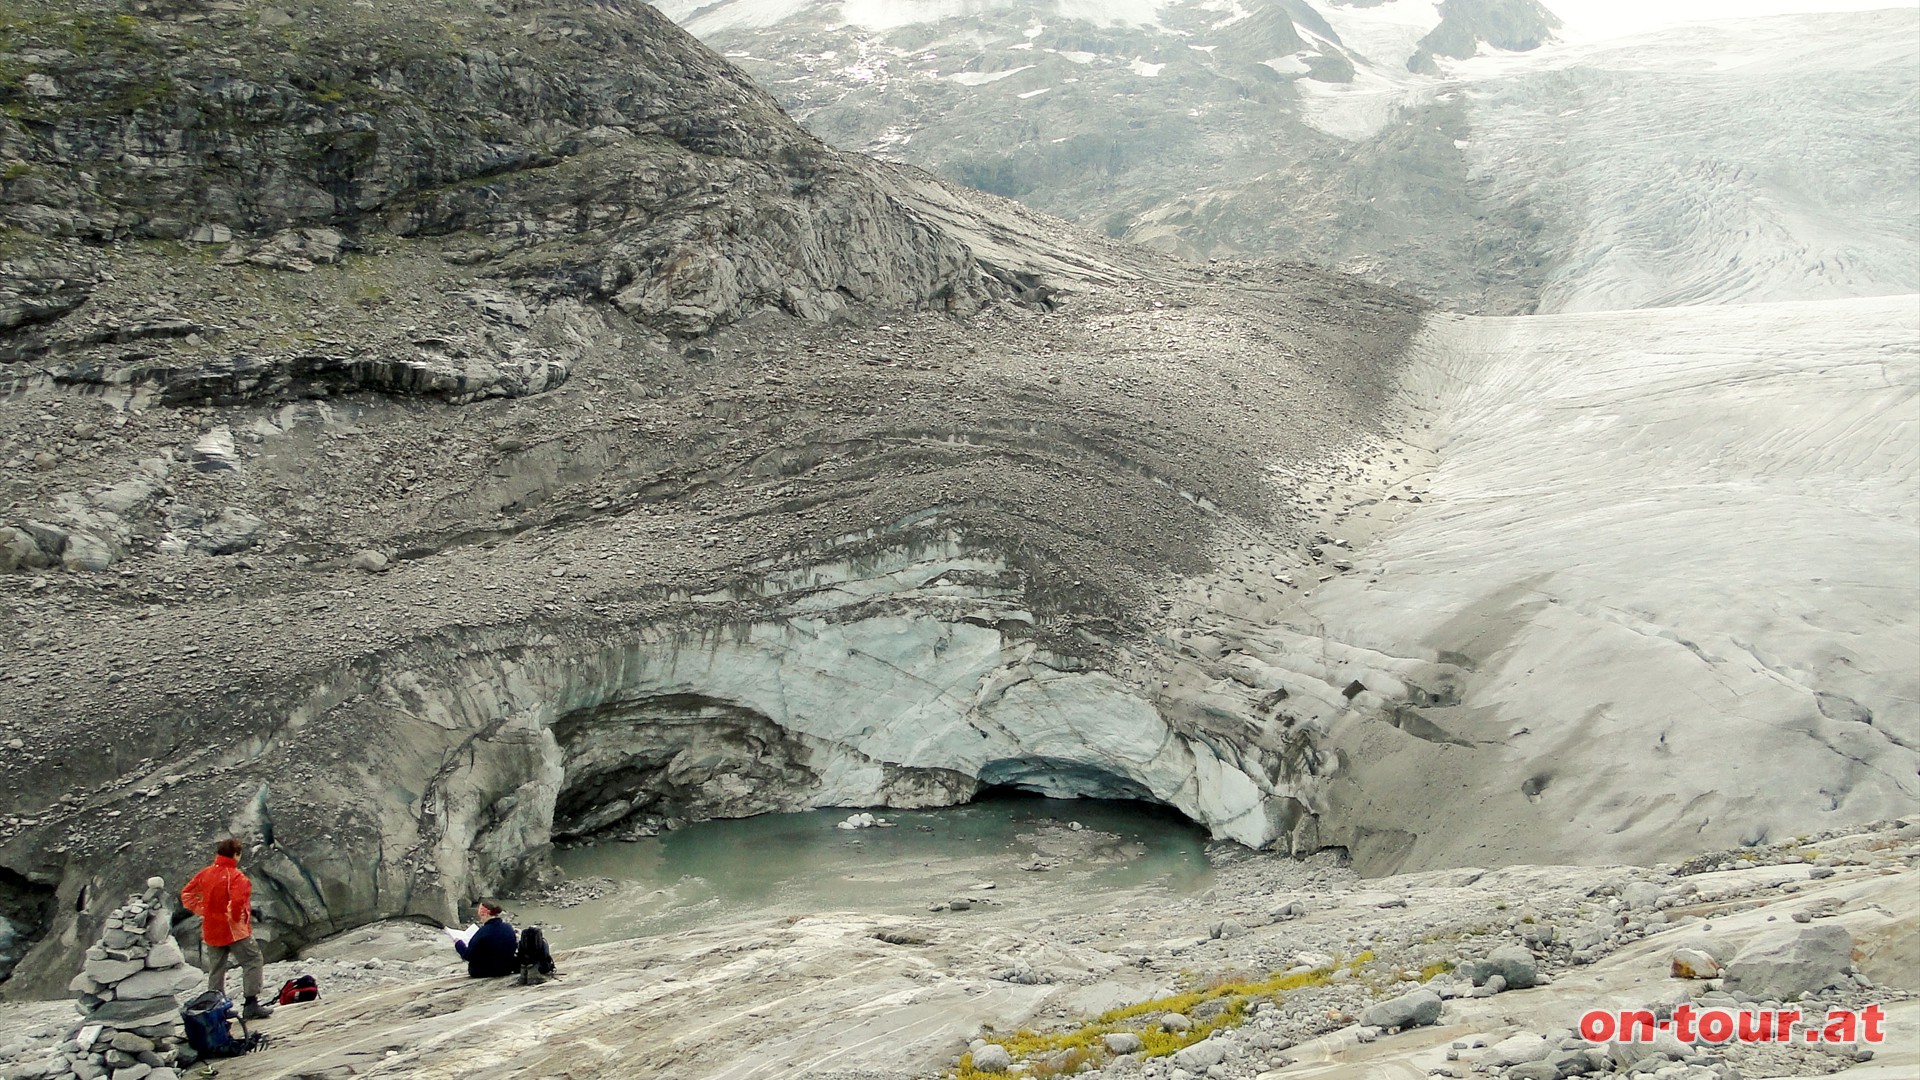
{"x":1609,"y":17}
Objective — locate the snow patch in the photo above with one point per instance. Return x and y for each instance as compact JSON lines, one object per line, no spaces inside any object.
{"x":982,"y":78}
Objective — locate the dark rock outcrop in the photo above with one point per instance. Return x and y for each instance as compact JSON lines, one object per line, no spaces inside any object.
{"x":1513,"y":25}
{"x":595,"y":152}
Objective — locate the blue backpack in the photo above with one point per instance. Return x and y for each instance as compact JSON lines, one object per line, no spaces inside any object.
{"x":207,"y":1018}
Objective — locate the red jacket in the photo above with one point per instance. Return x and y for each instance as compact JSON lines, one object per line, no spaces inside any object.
{"x":223,"y":897}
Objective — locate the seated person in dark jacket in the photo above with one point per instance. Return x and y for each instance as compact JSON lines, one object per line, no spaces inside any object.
{"x":489,"y":953}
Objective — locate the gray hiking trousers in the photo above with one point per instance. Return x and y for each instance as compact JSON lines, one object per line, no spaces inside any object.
{"x":246,"y":953}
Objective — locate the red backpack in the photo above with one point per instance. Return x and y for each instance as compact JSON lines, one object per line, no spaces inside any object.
{"x":304,"y":988}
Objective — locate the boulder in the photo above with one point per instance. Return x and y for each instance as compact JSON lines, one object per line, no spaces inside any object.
{"x":1174,"y":1021}
{"x":85,"y":551}
{"x":18,"y":551}
{"x":1417,"y":1009}
{"x":369,"y":562}
{"x":1513,"y":964}
{"x":1202,"y":1055}
{"x":300,"y":250}
{"x":1693,"y":964}
{"x":1785,"y":964}
{"x":992,"y":1058}
{"x":234,"y":530}
{"x":1518,"y":1050}
{"x":1625,"y":1054}
{"x":1123,"y":1042}
{"x":497,"y":306}
{"x":1641,"y":896}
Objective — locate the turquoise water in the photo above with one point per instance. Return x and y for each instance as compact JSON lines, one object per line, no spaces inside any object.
{"x":792,"y":864}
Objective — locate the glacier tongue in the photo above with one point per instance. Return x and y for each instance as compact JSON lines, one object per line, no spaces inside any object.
{"x":1665,"y":558}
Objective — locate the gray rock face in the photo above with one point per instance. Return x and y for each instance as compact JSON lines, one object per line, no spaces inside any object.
{"x":317,"y":149}
{"x":1786,"y":964}
{"x":1416,"y":1009}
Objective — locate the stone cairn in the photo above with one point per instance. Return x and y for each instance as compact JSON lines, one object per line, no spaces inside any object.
{"x":130,"y":997}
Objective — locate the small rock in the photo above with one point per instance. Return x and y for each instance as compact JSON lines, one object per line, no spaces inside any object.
{"x":368,"y":561}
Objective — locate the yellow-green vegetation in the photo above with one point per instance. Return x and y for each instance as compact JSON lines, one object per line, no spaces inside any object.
{"x":1438,"y":967}
{"x":1213,"y":1004}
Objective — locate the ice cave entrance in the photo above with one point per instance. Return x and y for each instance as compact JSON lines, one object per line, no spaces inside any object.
{"x":778,"y":865}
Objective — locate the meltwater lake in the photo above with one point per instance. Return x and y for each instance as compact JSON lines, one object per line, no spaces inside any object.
{"x":1026,"y":847}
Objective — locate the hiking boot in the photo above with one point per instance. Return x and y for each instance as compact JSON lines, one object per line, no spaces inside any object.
{"x":255,"y":1011}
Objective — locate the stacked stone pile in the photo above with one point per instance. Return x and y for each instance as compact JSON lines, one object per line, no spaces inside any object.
{"x":130,"y":995}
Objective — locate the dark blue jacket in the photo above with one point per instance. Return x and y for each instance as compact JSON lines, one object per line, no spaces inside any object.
{"x":490,"y":954}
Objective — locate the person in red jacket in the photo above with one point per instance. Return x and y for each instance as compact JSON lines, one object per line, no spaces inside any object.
{"x":223,"y":898}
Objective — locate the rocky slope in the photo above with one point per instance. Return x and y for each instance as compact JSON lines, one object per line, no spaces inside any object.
{"x":1288,"y":968}
{"x":509,"y":425}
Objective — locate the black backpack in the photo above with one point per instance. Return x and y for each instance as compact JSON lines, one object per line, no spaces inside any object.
{"x":206,"y":1018}
{"x":532,"y":958}
{"x":304,"y":988}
